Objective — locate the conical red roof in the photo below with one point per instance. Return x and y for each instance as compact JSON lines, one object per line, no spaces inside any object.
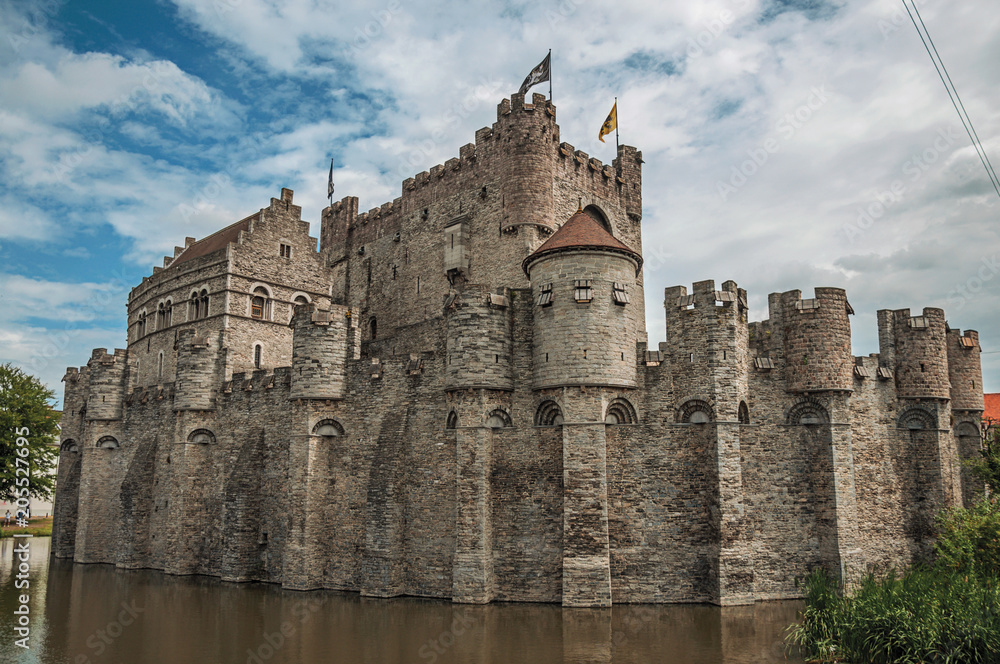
{"x":581,"y":233}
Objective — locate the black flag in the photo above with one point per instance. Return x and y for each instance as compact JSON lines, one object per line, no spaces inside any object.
{"x":537,"y":75}
{"x":329,"y":184}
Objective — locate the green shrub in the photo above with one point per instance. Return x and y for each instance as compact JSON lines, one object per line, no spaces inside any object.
{"x":969,"y":539}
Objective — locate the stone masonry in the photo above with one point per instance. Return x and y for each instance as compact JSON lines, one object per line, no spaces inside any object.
{"x":453,"y":396}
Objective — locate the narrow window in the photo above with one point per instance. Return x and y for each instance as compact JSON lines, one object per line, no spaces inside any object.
{"x":169,"y":311}
{"x":582,"y":292}
{"x":286,"y":250}
{"x":259,"y":303}
{"x":194,"y":308}
{"x":545,"y":296}
{"x":923,"y":367}
{"x":418,"y":284}
{"x":256,"y":356}
{"x":373,"y":329}
{"x":691,"y":357}
{"x":204,"y":303}
{"x":159,"y":369}
{"x":619,"y":295}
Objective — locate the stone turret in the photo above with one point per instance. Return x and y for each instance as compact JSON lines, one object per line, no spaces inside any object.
{"x":107,"y":384}
{"x":707,"y":344}
{"x":197,"y":375}
{"x":479,"y":341}
{"x":586,"y":326}
{"x":817,"y":341}
{"x":319,"y":351}
{"x":965,"y":370}
{"x":919,"y":352}
{"x":530,"y":131}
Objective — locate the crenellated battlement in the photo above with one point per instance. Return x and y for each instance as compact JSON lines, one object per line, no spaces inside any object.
{"x":503,"y":432}
{"x":917,"y":349}
{"x":965,"y":370}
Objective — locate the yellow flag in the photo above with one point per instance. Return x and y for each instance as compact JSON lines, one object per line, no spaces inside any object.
{"x":610,"y":124}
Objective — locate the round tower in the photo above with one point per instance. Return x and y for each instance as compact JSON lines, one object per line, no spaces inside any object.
{"x":921,"y":355}
{"x":965,"y":372}
{"x":319,"y":352}
{"x":107,"y":384}
{"x":196,"y":378}
{"x":585,"y":325}
{"x":529,"y":130}
{"x":479,"y":341}
{"x":817,"y":341}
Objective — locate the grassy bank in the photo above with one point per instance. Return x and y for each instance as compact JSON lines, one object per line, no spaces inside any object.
{"x":36,"y":527}
{"x":942,"y":612}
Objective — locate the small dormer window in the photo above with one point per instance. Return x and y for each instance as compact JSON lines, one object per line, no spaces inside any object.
{"x":545,"y":296}
{"x":286,"y":250}
{"x":619,"y":295}
{"x":582,"y":291}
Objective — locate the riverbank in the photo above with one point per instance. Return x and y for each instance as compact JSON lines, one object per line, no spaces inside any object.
{"x":37,"y":526}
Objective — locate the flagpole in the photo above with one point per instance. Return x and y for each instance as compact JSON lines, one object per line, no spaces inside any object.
{"x":616,"y":125}
{"x":550,"y":75}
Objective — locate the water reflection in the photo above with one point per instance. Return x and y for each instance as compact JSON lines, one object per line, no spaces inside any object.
{"x":95,"y":613}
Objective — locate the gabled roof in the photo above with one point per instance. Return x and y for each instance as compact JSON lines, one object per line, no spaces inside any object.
{"x":214,"y":242}
{"x":992,"y":406}
{"x":581,"y":233}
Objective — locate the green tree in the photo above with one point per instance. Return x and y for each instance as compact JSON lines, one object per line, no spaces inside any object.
{"x":26,"y":415}
{"x":987,"y":466}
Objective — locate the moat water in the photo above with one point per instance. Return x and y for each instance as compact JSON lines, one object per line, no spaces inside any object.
{"x":93,"y":614}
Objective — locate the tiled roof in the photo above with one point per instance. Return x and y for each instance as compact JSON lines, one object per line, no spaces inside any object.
{"x":992,"y":406}
{"x":214,"y":242}
{"x":581,"y":231}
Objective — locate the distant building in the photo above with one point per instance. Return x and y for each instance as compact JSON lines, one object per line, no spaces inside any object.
{"x":454,"y":397}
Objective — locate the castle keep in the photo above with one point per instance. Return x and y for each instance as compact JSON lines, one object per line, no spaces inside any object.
{"x":454,"y":397}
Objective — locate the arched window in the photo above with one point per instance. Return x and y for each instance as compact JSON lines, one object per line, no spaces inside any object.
{"x":620,"y":411}
{"x":108,"y":443}
{"x":916,"y":419}
{"x":328,"y":428}
{"x":743,"y":413}
{"x":452,"y":420}
{"x":260,"y":304}
{"x":695,"y":411}
{"x":201,"y":437}
{"x":203,"y":298}
{"x":808,"y":412}
{"x":140,"y":326}
{"x":498,"y":419}
{"x":256,"y":356}
{"x":168,"y":314}
{"x":548,"y":415}
{"x":193,"y":306}
{"x":598,"y":215}
{"x":69,"y":446}
{"x":161,"y":316}
{"x":373,"y":328}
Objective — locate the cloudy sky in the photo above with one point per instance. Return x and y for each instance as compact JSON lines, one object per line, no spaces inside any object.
{"x":788,"y":143}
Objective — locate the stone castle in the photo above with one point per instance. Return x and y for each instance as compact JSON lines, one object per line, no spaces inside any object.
{"x":454,"y":397}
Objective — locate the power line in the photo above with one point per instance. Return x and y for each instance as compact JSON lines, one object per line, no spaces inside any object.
{"x":952,"y":91}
